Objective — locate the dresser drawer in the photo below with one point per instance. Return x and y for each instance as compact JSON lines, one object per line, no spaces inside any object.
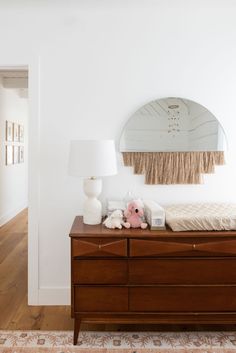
{"x":183,"y":271}
{"x":182,"y":247}
{"x":101,"y":299}
{"x":98,"y":247}
{"x":99,"y":271}
{"x":183,"y":299}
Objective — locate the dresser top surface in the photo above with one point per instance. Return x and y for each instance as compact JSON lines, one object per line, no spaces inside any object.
{"x":79,"y":229}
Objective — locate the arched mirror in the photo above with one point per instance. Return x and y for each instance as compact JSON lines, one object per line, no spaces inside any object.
{"x":173,"y":141}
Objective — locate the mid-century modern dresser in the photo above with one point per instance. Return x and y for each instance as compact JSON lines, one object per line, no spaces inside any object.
{"x":143,"y":276}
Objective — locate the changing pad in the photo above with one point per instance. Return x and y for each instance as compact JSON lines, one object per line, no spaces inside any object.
{"x":201,"y":216}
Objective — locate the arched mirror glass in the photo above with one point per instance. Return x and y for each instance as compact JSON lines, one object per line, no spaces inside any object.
{"x":173,"y":132}
{"x":172,"y":125}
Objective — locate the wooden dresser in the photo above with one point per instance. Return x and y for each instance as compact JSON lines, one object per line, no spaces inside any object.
{"x":143,"y":276}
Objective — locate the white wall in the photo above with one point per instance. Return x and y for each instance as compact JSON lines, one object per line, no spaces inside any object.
{"x":101,"y":61}
{"x":13,"y":178}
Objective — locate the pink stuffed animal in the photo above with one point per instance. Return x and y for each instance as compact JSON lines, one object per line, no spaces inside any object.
{"x":134,"y":215}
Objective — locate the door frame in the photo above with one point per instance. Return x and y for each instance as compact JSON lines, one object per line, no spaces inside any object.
{"x":33,"y":66}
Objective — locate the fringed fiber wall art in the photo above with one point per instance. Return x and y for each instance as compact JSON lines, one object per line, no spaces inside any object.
{"x":173,"y":141}
{"x":173,"y":167}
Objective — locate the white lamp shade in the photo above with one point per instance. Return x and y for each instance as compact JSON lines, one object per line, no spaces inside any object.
{"x":91,"y":158}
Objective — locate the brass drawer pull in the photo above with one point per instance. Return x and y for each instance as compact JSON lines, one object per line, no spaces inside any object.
{"x":99,"y":246}
{"x":194,"y":246}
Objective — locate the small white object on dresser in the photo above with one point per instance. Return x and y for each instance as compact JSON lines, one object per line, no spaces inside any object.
{"x":155,"y":215}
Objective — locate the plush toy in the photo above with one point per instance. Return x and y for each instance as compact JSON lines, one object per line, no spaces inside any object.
{"x":134,"y":215}
{"x":115,"y":220}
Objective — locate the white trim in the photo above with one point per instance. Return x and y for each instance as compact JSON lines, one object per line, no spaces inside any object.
{"x":54,"y":296}
{"x":34,"y":182}
{"x":6,"y":217}
{"x":32,"y":63}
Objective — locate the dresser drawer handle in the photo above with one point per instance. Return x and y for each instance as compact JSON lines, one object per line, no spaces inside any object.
{"x":194,"y":246}
{"x":99,"y":246}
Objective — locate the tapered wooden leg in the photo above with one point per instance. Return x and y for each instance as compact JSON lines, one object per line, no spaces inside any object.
{"x":76,"y":330}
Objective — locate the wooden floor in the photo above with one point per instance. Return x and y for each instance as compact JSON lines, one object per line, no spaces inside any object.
{"x":14,"y":311}
{"x":15,"y":314}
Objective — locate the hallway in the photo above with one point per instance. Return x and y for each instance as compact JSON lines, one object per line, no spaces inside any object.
{"x":15,"y":313}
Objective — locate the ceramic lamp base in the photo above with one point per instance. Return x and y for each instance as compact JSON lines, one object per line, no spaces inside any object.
{"x":92,"y":213}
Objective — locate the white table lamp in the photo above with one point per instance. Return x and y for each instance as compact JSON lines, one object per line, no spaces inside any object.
{"x":92,"y":159}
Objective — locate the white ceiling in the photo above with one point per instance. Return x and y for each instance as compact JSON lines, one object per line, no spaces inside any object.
{"x":14,"y":73}
{"x":15,"y":79}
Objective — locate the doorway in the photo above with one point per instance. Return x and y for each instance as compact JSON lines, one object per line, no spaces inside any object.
{"x":18,"y":251}
{"x":14,"y":112}
{"x":14,"y":118}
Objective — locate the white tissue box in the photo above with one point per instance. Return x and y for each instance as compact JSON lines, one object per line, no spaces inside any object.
{"x":155,"y":215}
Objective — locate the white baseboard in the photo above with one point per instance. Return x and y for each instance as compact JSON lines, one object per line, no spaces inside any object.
{"x":54,"y":296}
{"x":6,"y":217}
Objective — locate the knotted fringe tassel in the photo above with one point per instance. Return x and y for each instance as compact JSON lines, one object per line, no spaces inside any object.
{"x":173,"y":167}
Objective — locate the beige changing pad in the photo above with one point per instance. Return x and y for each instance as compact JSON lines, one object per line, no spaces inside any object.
{"x":201,"y":216}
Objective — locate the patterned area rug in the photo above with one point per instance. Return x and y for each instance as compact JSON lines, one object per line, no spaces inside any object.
{"x":117,"y":342}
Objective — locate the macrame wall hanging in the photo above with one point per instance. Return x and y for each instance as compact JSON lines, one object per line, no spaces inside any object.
{"x":173,"y":167}
{"x":173,"y":141}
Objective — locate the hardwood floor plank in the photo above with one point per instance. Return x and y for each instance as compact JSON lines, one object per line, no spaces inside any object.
{"x":26,"y":317}
{"x":16,"y":314}
{"x":13,"y":279}
{"x":6,"y":246}
{"x":57,"y":316}
{"x":18,"y":224}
